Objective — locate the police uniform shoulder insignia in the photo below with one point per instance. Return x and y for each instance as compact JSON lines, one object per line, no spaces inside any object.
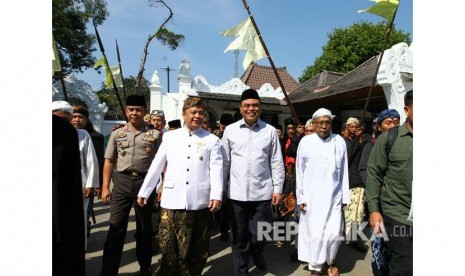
{"x":117,"y":127}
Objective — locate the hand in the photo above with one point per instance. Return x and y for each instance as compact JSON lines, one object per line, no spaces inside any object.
{"x":302,"y":207}
{"x":98,"y":192}
{"x":276,"y":199}
{"x":141,"y":201}
{"x":214,"y":205}
{"x":376,"y":222}
{"x":88,"y":192}
{"x":106,"y":196}
{"x":160,"y":192}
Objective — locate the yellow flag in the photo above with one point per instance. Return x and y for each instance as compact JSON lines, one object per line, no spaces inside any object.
{"x":247,"y":40}
{"x":102,"y":62}
{"x":117,"y":75}
{"x":56,"y":65}
{"x":384,"y":8}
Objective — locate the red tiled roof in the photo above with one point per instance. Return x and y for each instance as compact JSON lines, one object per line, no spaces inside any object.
{"x":257,"y":75}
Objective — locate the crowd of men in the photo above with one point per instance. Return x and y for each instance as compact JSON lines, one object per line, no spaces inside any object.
{"x":192,"y":177}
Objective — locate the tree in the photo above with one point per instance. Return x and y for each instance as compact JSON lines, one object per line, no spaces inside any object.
{"x":69,"y":26}
{"x":163,"y":35}
{"x":108,"y":96}
{"x":349,"y":47}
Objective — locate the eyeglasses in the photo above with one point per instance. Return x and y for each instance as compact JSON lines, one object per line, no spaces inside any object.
{"x":322,"y":123}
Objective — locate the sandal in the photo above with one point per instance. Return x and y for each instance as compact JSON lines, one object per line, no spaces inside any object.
{"x":333,"y":270}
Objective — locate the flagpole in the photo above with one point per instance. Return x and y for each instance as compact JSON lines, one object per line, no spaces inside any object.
{"x":291,"y":107}
{"x":386,"y":39}
{"x":111,"y":73}
{"x":120,"y":68}
{"x":63,"y":85}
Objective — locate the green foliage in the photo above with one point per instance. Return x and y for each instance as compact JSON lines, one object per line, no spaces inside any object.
{"x":109,"y":97}
{"x":69,"y":25}
{"x":169,"y":38}
{"x":349,"y":47}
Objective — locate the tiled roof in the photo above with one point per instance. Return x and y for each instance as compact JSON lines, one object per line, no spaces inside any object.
{"x":360,"y":77}
{"x":318,"y":83}
{"x":257,"y":75}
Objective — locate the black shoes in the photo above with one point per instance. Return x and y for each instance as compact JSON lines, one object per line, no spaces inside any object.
{"x":145,"y":271}
{"x":259,"y":261}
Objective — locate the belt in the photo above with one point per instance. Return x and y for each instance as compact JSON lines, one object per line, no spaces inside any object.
{"x":134,"y":173}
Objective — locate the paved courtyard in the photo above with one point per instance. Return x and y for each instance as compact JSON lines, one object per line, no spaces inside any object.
{"x":349,"y":261}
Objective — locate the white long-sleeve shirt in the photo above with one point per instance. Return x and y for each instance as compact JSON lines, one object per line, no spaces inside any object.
{"x":252,"y":161}
{"x":194,"y":174}
{"x":89,"y":161}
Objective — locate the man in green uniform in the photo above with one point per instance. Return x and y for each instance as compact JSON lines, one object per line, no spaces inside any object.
{"x":389,"y":192}
{"x":130,"y":150}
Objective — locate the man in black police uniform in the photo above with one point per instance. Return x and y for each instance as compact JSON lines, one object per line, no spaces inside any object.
{"x":132,"y":147}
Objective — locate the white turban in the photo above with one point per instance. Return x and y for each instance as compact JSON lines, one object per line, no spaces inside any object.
{"x":322,"y":112}
{"x":62,"y":106}
{"x":352,"y":120}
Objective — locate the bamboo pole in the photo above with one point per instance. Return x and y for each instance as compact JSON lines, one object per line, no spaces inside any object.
{"x":108,"y":68}
{"x":386,"y":40}
{"x":120,"y":69}
{"x":291,"y":107}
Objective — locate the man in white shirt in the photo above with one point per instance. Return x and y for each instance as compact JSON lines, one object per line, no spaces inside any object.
{"x":322,"y":192}
{"x":192,"y":191}
{"x":253,"y":167}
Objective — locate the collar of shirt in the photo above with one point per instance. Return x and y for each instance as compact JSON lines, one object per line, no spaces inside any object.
{"x":403,"y":130}
{"x":193,"y":132}
{"x":259,"y":123}
{"x":131,"y":128}
{"x":327,"y":139}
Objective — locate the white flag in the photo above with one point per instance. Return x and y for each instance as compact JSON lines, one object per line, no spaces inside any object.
{"x":246,"y":39}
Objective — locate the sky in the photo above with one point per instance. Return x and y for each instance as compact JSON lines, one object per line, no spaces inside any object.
{"x":294,"y":31}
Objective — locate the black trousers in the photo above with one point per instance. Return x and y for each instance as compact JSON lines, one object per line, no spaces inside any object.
{"x":245,"y":216}
{"x":224,"y":227}
{"x":124,"y":196}
{"x":401,"y":246}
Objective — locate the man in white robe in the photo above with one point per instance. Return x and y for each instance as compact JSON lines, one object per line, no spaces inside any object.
{"x":322,"y":192}
{"x":89,"y":171}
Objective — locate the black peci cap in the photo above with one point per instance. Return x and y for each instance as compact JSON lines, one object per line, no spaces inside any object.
{"x":250,"y":94}
{"x":174,"y":124}
{"x":136,"y":100}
